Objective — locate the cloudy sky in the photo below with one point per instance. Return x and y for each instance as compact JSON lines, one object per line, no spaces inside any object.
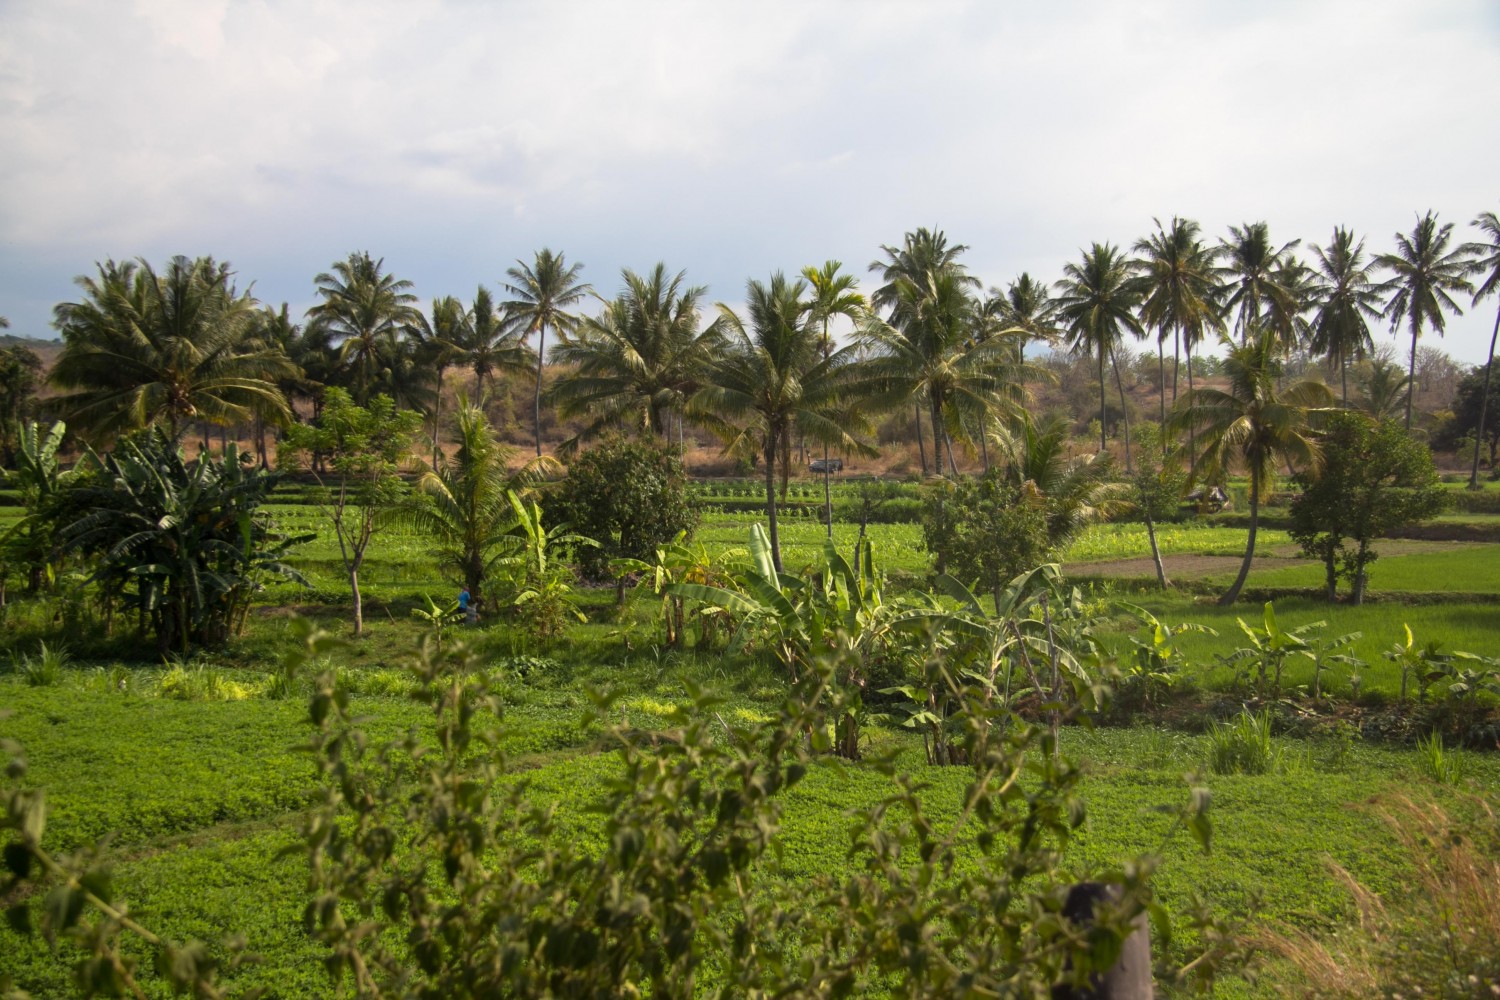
{"x":729,"y":139}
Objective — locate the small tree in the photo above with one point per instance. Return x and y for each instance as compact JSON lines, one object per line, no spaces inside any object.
{"x":1375,"y":479}
{"x":629,"y":496}
{"x":985,"y":531}
{"x":1478,"y":399}
{"x":364,"y":448}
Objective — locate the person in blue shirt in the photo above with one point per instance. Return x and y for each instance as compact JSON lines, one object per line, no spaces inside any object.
{"x":466,"y":605}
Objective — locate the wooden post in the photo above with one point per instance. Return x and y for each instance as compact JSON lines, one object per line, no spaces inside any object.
{"x":1130,"y":977}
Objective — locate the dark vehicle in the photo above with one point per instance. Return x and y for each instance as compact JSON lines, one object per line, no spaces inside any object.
{"x":826,"y":465}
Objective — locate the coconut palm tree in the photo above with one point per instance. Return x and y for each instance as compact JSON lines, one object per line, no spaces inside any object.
{"x":542,"y":293}
{"x":932,"y":353}
{"x":773,"y":382}
{"x":1076,"y":492}
{"x":488,"y":349}
{"x":366,"y":311}
{"x":1423,"y":274}
{"x":1486,"y":263}
{"x":1250,"y":272}
{"x":922,"y":256}
{"x":437,"y":347}
{"x":833,"y":294}
{"x":1026,"y":306}
{"x":144,"y":350}
{"x":636,"y":363}
{"x":1347,"y":299}
{"x":1382,"y":389}
{"x":1178,"y":286}
{"x":1252,"y":425}
{"x":1097,"y":303}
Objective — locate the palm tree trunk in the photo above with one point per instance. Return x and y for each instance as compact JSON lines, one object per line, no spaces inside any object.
{"x":1192,"y":439}
{"x":1161,"y":572}
{"x":984,"y":447}
{"x":827,"y":493}
{"x":1102,"y":445}
{"x":437,"y":417}
{"x":1161,"y":386}
{"x":771,"y":451}
{"x":541,"y":352}
{"x":1239,"y":581}
{"x":1411,"y":379}
{"x":937,"y":436}
{"x":1176,"y":360}
{"x":1344,"y":379}
{"x":1124,"y":414}
{"x":1484,"y":402}
{"x":921,"y":448}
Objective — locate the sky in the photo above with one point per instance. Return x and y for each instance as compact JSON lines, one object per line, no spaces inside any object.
{"x":729,"y":139}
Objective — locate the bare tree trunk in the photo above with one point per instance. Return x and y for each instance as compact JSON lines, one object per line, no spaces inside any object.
{"x":1102,"y":425}
{"x":437,"y":418}
{"x":827,"y":493}
{"x":1161,"y":386}
{"x":541,"y":353}
{"x":359,"y":608}
{"x":937,"y":437}
{"x":1411,"y":380}
{"x":1192,"y":438}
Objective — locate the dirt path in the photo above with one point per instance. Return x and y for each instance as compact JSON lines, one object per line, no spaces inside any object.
{"x":1190,"y":566}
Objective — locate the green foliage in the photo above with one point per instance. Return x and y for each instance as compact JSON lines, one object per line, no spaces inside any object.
{"x":1422,"y":662}
{"x":1270,"y":647}
{"x":629,"y":496}
{"x":182,"y":544}
{"x":1244,"y":746}
{"x":542,"y":590}
{"x":1375,"y":478}
{"x":985,"y":530}
{"x":43,"y":670}
{"x":1438,"y":763}
{"x":1153,"y":667}
{"x":364,"y":446}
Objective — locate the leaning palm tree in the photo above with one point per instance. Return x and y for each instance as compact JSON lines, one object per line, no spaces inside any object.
{"x":1347,"y":300}
{"x":636,"y":364}
{"x":144,"y":349}
{"x":366,"y":310}
{"x":1486,"y":263}
{"x":1423,"y":273}
{"x":1250,"y":272}
{"x":542,"y":294}
{"x":1097,"y":303}
{"x":1178,"y":286}
{"x":467,"y":506}
{"x":1252,"y":425}
{"x":774,"y":382}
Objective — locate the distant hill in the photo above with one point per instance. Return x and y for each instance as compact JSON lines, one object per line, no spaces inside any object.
{"x":47,"y":350}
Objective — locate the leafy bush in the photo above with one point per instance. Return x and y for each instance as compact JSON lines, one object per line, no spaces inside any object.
{"x":628,"y":495}
{"x":1438,"y":763}
{"x":43,"y":670}
{"x":985,"y":531}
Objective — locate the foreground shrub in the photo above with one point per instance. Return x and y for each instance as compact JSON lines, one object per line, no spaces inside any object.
{"x":1244,"y":746}
{"x":433,"y":875}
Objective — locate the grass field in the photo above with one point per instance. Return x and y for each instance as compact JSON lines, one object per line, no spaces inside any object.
{"x":196,"y":780}
{"x":202,"y":798}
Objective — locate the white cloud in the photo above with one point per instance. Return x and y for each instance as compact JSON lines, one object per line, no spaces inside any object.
{"x":730,"y":138}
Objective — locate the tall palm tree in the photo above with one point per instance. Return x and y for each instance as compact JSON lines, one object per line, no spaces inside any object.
{"x":774,"y":382}
{"x":542,"y":293}
{"x":636,"y":363}
{"x":1423,"y":273}
{"x":367,"y":310}
{"x":1026,"y":306}
{"x":487,"y":348}
{"x":1347,"y":300}
{"x":1250,"y":271}
{"x":833,"y":294}
{"x":437,"y":342}
{"x":923,"y":255}
{"x":934,"y":356}
{"x":1077,"y":491}
{"x":1486,"y":262}
{"x":144,"y":349}
{"x":1178,"y":286}
{"x":1253,"y":425}
{"x":1097,"y":302}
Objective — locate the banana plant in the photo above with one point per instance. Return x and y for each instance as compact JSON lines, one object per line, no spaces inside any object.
{"x":1325,"y":656}
{"x":680,"y":561}
{"x":1270,"y":647}
{"x":1426,"y":663}
{"x":1154,"y":666}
